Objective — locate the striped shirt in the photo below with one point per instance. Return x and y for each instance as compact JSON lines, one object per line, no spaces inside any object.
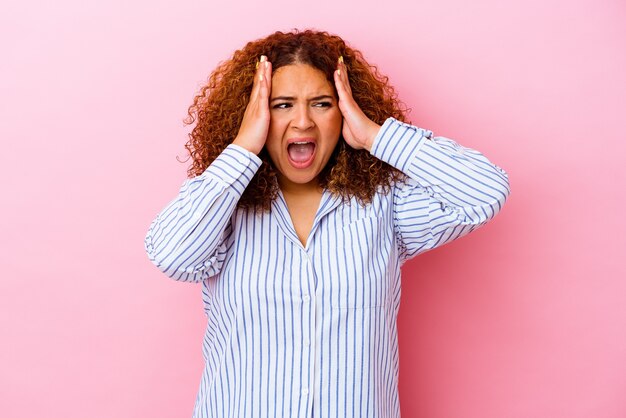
{"x":310,"y":331}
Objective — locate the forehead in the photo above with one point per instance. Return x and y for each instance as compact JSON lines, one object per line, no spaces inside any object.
{"x":300,"y":80}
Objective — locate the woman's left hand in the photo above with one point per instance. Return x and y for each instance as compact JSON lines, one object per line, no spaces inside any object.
{"x":358,"y":130}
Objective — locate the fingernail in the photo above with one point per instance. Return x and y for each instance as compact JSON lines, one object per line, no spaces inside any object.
{"x":341,"y":59}
{"x":263,"y":58}
{"x":338,"y":72}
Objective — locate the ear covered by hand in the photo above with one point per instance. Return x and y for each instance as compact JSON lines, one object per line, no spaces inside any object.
{"x":358,"y":130}
{"x":256,"y":119}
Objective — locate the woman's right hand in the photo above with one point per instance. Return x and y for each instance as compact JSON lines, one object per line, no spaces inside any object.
{"x":256,"y":119}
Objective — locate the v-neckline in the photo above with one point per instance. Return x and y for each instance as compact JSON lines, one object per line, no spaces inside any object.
{"x":328,"y":201}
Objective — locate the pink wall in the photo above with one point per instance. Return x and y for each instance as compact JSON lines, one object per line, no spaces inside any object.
{"x":524,"y":318}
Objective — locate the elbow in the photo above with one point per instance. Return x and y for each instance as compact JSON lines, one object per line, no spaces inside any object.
{"x":181,"y":272}
{"x":496,"y":206}
{"x":482,"y":213}
{"x":504,"y":189}
{"x":497,"y":197}
{"x":159,"y":258}
{"x":170,"y":263}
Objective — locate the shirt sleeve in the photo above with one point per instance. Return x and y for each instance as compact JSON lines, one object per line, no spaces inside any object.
{"x":186,"y":241}
{"x":450,"y":190}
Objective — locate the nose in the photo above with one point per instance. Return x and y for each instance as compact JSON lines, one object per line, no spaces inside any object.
{"x":302,"y":118}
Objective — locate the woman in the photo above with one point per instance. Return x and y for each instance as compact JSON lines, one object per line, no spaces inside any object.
{"x":308,"y":192}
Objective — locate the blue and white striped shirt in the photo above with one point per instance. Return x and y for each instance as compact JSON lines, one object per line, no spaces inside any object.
{"x":310,"y":331}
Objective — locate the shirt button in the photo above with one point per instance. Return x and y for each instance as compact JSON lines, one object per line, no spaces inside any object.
{"x":305,"y":391}
{"x":306,"y":298}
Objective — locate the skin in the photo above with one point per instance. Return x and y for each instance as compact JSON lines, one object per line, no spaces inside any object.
{"x":302,"y":106}
{"x":297,"y":101}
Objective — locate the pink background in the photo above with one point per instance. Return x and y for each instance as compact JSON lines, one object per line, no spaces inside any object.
{"x":524,"y":318}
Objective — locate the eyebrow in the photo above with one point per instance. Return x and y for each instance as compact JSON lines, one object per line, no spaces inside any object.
{"x":312,"y":99}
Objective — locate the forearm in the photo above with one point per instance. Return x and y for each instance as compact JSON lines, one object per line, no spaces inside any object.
{"x":450,"y":191}
{"x":185,"y":238}
{"x":457,"y":176}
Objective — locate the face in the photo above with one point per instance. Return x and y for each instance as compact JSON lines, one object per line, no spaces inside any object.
{"x":305,"y":124}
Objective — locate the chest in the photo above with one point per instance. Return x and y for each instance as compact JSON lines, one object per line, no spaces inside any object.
{"x":349,"y":260}
{"x":302,"y":211}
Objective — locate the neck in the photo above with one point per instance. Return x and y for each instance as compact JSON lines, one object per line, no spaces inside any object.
{"x":299,"y":189}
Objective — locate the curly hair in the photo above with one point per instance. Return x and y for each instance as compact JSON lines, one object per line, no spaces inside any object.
{"x":219,"y":108}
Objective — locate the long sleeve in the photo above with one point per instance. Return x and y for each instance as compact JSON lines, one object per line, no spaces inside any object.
{"x":186,"y":241}
{"x":450,"y":191}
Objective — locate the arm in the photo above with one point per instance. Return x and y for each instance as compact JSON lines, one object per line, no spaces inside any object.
{"x":186,"y":241}
{"x":451,"y":190}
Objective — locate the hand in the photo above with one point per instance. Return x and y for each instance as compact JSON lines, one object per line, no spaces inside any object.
{"x":256,"y":119}
{"x":358,"y":130}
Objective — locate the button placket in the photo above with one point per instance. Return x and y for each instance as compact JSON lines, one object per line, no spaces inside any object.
{"x":307,"y":337}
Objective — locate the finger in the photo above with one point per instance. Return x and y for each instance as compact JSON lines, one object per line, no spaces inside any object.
{"x":344,"y":74}
{"x":268,"y":75}
{"x":259,"y":72}
{"x":342,"y":90}
{"x":263,"y":91}
{"x":345,"y":98}
{"x":265,"y":86}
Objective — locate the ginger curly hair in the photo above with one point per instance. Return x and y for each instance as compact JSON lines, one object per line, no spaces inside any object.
{"x":219,"y":107}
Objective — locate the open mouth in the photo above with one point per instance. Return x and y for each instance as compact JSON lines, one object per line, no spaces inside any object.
{"x":301,"y":153}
